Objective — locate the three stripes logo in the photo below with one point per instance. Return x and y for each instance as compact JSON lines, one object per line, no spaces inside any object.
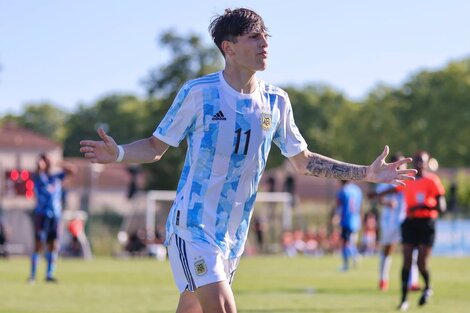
{"x":219,"y":116}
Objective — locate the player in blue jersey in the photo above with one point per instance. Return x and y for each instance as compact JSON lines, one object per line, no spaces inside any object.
{"x":349,"y":203}
{"x":229,"y":120}
{"x":47,"y":214}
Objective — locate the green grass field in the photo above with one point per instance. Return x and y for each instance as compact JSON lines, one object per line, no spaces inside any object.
{"x":271,"y":284}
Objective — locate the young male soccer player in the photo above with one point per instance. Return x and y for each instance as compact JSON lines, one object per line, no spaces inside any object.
{"x":392,"y":215}
{"x":47,"y":214}
{"x":349,"y":204}
{"x":229,"y":119}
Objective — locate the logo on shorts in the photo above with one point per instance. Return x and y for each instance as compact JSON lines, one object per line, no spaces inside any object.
{"x":200,"y":267}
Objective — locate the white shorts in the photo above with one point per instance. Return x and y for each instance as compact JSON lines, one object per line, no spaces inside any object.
{"x":198,"y":264}
{"x":390,"y":236}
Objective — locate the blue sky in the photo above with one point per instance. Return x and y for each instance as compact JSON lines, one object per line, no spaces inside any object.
{"x":72,"y":52}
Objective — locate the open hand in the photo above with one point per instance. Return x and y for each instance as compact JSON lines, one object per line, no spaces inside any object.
{"x":105,"y":151}
{"x":382,"y":172}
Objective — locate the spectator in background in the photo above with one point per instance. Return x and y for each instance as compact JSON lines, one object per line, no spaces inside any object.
{"x":260,"y":229}
{"x":348,"y":211}
{"x":369,"y":234}
{"x":47,"y":214}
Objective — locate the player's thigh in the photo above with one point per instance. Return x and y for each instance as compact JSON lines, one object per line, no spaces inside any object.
{"x":52,"y":230}
{"x":189,"y":303}
{"x":410,"y":232}
{"x":217,"y":298}
{"x":427,"y":231}
{"x":390,"y":236}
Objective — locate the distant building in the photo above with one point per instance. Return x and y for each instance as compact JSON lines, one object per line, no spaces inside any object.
{"x":95,"y":187}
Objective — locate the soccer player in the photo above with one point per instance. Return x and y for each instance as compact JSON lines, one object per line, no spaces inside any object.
{"x":47,"y":215}
{"x":393,"y":213}
{"x":229,"y":119}
{"x":349,"y":203}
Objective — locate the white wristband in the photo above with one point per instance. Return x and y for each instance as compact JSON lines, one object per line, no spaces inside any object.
{"x":120,"y":154}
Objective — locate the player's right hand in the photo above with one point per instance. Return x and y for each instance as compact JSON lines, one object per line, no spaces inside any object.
{"x":105,"y":151}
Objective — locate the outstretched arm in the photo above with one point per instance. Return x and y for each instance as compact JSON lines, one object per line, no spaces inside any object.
{"x":379,"y":171}
{"x":106,"y":151}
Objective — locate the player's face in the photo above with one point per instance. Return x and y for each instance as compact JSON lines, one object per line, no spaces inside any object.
{"x":421,"y":161}
{"x":250,"y":51}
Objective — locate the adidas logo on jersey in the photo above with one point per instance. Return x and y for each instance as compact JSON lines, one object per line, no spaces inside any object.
{"x":219,"y":116}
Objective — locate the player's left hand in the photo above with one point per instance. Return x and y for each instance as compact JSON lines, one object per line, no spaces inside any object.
{"x":382,"y":172}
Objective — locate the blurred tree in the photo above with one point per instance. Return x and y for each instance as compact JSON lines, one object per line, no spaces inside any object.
{"x":44,"y":118}
{"x":123,"y":116}
{"x":190,"y":59}
{"x":462,"y":185}
{"x":436,"y":113}
{"x":316,"y":112}
{"x":368,"y":126}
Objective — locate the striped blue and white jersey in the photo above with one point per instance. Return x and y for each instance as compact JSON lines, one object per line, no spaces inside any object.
{"x":229,"y":136}
{"x":392,"y":217}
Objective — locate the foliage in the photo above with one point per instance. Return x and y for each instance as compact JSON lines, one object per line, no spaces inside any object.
{"x":462,"y":182}
{"x":123,"y":116}
{"x":44,"y":118}
{"x":190,"y":59}
{"x":435,"y":113}
{"x":429,"y":111}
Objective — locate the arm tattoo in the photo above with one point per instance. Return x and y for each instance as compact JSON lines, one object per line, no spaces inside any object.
{"x":322,"y":166}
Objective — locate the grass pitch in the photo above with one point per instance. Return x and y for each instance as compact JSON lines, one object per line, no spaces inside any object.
{"x":271,"y":284}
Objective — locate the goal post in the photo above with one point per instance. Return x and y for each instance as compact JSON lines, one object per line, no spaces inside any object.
{"x":155,"y":196}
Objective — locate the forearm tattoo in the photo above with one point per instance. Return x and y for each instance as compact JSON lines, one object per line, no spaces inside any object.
{"x":322,"y":166}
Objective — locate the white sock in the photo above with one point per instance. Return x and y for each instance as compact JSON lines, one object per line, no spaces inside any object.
{"x":385,"y":264}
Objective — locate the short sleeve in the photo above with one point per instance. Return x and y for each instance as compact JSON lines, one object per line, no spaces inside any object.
{"x":179,"y":119}
{"x":287,"y":136}
{"x":436,"y":186}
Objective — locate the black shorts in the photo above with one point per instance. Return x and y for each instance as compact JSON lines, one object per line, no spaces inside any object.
{"x":346,"y":233}
{"x":46,"y":228}
{"x":418,"y":231}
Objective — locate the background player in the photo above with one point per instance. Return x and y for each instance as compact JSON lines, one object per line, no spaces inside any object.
{"x":392,"y":215}
{"x":47,"y":214}
{"x":349,"y":204}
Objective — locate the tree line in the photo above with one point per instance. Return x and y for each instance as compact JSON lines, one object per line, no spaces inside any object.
{"x":430,"y":111}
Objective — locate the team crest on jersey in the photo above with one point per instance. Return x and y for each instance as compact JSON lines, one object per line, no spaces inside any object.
{"x":265,"y":121}
{"x":200,"y":267}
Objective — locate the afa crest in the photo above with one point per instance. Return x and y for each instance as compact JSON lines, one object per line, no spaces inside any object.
{"x":266,"y":121}
{"x":200,"y":267}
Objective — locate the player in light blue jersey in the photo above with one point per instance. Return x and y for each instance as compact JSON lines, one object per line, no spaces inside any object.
{"x":349,"y":204}
{"x":392,"y":215}
{"x":47,"y":213}
{"x":229,"y":120}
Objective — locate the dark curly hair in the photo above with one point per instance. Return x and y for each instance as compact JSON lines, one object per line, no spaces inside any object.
{"x":235,"y":23}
